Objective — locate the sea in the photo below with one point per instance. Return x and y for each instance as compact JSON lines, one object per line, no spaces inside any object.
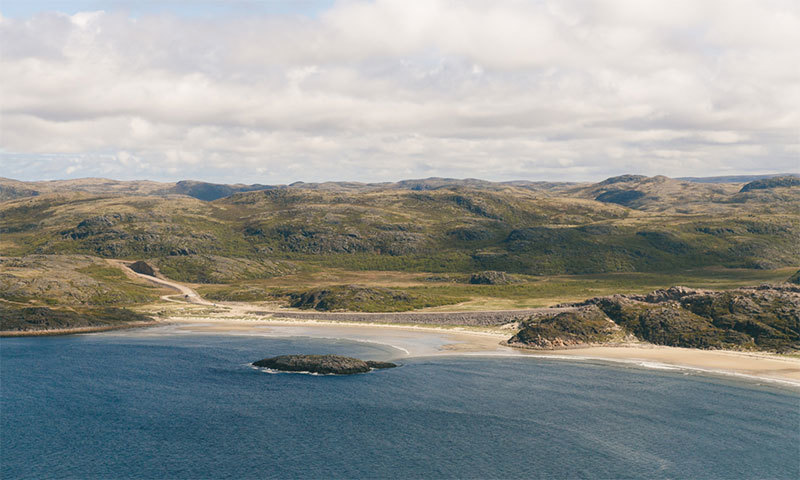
{"x":191,"y":406}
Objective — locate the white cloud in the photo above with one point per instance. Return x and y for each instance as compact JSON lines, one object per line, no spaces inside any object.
{"x":382,"y":90}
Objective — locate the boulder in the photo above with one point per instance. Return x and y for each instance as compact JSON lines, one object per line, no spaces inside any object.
{"x":142,"y":267}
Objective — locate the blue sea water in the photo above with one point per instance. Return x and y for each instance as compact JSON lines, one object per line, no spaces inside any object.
{"x":189,"y":406}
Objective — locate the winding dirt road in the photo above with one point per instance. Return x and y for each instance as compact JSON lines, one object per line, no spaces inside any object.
{"x":189,"y":295}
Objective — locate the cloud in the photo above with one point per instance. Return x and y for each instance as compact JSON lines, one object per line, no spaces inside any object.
{"x":574,"y":89}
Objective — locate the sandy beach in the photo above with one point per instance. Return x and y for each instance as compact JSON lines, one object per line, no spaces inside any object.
{"x":420,"y":341}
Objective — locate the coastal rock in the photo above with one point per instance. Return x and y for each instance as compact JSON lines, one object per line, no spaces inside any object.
{"x":584,"y":326}
{"x":764,"y":317}
{"x":323,"y":364}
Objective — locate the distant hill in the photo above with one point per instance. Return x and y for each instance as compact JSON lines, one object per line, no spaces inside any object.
{"x":657,"y":193}
{"x":11,"y":189}
{"x":622,"y":224}
{"x":212,"y":191}
{"x":636,"y":191}
{"x":772,"y":182}
{"x":736,"y":178}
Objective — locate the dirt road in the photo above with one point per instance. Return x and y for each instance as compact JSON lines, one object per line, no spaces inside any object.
{"x":189,"y":295}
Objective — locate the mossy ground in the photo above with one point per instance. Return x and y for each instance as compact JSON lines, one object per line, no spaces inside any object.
{"x":455,"y":293}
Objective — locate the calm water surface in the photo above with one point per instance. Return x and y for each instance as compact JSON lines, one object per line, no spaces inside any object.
{"x":189,"y":406}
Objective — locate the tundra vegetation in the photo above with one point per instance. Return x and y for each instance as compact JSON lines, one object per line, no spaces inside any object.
{"x":417,"y":244}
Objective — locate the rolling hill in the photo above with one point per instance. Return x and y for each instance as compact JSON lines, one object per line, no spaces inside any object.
{"x":623,"y":224}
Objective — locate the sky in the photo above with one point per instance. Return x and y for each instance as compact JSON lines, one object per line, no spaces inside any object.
{"x":276,"y":91}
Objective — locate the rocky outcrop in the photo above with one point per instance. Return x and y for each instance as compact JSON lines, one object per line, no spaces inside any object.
{"x":142,"y":267}
{"x":794,"y":279}
{"x":322,"y":364}
{"x":765,"y":317}
{"x":584,"y":326}
{"x":490,"y":278}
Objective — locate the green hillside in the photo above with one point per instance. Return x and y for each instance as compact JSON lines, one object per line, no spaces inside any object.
{"x":665,"y":226}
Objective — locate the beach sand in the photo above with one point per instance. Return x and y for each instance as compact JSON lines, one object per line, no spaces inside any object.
{"x":419,"y":341}
{"x":756,"y":366}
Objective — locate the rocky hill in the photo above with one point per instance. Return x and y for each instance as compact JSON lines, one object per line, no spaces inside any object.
{"x":69,"y":280}
{"x":587,"y":325}
{"x":769,"y":183}
{"x":436,"y":225}
{"x":755,"y":318}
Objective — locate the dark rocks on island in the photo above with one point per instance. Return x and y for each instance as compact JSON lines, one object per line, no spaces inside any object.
{"x":323,"y":364}
{"x":491,"y":278}
{"x":142,"y":267}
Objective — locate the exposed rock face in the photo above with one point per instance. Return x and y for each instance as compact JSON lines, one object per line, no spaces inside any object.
{"x":766,"y":317}
{"x":670,"y":294}
{"x":587,"y":325}
{"x":795,"y":279}
{"x":490,"y":278}
{"x":143,"y":268}
{"x":324,"y":364}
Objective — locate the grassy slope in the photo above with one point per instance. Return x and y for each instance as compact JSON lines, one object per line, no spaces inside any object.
{"x":69,"y":280}
{"x":452,"y":292}
{"x":449,"y":230}
{"x":562,"y":242}
{"x":47,"y":292}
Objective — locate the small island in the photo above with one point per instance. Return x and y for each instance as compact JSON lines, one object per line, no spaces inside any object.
{"x":322,"y":364}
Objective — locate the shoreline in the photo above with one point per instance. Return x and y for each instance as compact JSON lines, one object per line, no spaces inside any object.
{"x":55,"y":332}
{"x":416,"y":341}
{"x":464,"y":341}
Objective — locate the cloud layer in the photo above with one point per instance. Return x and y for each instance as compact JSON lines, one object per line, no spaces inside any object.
{"x":394,"y":89}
